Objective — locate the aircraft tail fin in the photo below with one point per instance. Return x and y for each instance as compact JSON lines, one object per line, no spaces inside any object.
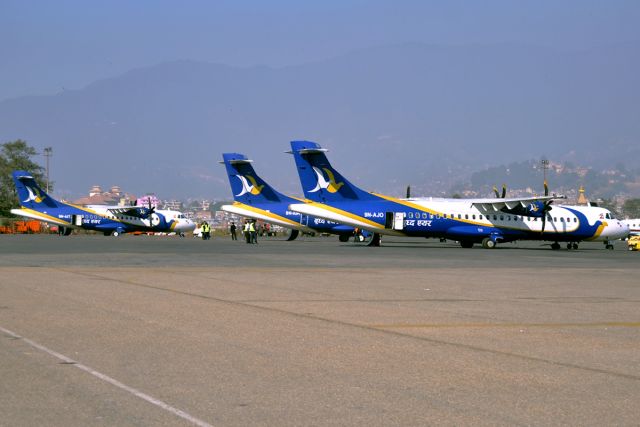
{"x":320,"y":181}
{"x":30,"y":194}
{"x":246,"y":186}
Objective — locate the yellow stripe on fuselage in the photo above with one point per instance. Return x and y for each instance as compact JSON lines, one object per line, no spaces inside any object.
{"x":45,"y":217}
{"x":267,"y":214}
{"x":373,"y":224}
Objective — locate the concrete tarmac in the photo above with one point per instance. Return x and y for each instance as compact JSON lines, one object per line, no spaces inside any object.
{"x":150,"y":330}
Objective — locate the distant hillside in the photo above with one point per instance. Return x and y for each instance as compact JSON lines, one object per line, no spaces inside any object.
{"x":392,"y":116}
{"x":563,"y":178}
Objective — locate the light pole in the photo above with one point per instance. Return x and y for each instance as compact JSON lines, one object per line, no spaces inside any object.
{"x":545,"y":166}
{"x":48,"y":152}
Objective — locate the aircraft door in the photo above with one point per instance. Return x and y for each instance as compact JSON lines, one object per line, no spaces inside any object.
{"x":394,"y":220}
{"x":388,"y":220}
{"x":398,"y":221}
{"x":76,"y":220}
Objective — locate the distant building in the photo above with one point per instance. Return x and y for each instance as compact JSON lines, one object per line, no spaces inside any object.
{"x":114,"y":196}
{"x":582,"y":199}
{"x":174,"y":205}
{"x":149,"y":199}
{"x":203,"y":216}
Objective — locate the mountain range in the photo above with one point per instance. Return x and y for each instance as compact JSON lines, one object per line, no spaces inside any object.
{"x":392,"y":116}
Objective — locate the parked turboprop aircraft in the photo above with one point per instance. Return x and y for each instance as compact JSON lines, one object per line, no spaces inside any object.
{"x":254,"y":198}
{"x":110,"y":220}
{"x":634,"y":226}
{"x":469,"y":221}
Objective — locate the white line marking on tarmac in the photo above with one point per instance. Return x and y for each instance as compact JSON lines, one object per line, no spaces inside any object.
{"x":110,"y":380}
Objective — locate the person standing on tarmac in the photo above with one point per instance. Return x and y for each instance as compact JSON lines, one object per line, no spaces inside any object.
{"x":247,"y":231}
{"x":206,"y":231}
{"x":253,"y":232}
{"x":232,"y":230}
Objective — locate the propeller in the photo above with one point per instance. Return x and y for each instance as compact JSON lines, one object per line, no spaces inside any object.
{"x":546,"y":207}
{"x":408,"y":191}
{"x":504,"y":191}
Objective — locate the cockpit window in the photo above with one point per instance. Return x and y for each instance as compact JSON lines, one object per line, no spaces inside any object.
{"x":608,"y":215}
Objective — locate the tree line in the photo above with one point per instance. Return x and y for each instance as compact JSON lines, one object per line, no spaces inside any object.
{"x":16,"y":155}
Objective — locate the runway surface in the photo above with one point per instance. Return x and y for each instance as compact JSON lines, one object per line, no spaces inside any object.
{"x":153,"y":330}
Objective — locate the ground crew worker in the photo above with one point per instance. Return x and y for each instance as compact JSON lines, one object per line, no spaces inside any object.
{"x":206,"y":231}
{"x":247,"y":232}
{"x":253,"y":231}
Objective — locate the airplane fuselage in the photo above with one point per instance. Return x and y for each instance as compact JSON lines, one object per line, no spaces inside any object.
{"x":461,"y":220}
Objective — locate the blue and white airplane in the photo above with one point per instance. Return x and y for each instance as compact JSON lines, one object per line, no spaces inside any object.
{"x":254,"y":198}
{"x":110,"y":220}
{"x":487,"y":221}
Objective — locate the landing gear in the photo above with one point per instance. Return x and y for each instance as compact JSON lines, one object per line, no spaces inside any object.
{"x":572,"y":245}
{"x":466,"y":244}
{"x":487,"y":243}
{"x":375,"y":240}
{"x":343,"y":238}
{"x":115,"y":233}
{"x":555,"y":246}
{"x":608,"y":245}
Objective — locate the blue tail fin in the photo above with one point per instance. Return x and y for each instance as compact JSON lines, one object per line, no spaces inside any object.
{"x":30,"y":194}
{"x":246,"y":186}
{"x":320,"y":181}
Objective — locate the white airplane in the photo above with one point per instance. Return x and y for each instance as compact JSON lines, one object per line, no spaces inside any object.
{"x":331,"y":196}
{"x":634,"y":226}
{"x":109,"y":220}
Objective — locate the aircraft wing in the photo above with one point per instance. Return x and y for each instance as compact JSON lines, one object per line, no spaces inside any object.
{"x":135,"y":211}
{"x":515,"y":204}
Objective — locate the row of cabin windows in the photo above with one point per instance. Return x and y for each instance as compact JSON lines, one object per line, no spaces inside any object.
{"x":425,"y":215}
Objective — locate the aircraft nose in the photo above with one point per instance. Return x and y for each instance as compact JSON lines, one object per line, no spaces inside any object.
{"x":618,"y":230}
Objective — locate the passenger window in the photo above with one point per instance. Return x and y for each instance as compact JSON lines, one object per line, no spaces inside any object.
{"x":459,"y":216}
{"x":480,"y":216}
{"x":424,"y":215}
{"x":508,"y":217}
{"x":473,"y":216}
{"x":466,"y":216}
{"x":501,"y":217}
{"x":410,"y":215}
{"x":495,"y":217}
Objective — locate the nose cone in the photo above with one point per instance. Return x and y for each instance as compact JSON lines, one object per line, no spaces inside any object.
{"x":186,"y":225}
{"x":617,"y":230}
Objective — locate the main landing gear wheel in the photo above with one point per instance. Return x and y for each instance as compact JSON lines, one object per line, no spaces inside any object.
{"x":466,"y":244}
{"x":375,"y":240}
{"x":115,"y":233}
{"x":609,"y":246}
{"x":555,"y":246}
{"x":487,"y":243}
{"x":343,"y":238}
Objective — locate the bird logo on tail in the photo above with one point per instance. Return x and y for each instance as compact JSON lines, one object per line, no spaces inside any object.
{"x":331,"y":186}
{"x":252,"y":188}
{"x":34,"y":195}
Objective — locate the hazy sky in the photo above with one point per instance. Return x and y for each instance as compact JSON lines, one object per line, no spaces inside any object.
{"x":50,"y":45}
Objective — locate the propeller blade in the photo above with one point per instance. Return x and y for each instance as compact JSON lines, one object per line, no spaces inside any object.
{"x":504,"y":190}
{"x":546,"y":188}
{"x":544,"y":221}
{"x":495,"y":190}
{"x":408,"y":191}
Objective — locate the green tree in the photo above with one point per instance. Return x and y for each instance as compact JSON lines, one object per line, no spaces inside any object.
{"x":16,"y":155}
{"x":631,"y":208}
